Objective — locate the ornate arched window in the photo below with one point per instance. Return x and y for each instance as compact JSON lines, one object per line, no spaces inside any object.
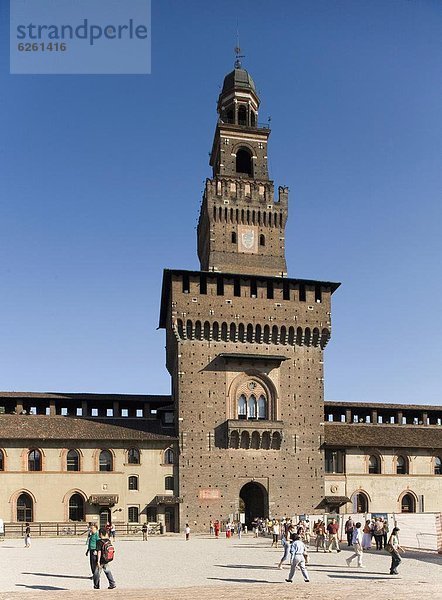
{"x":76,"y":508}
{"x":34,"y":460}
{"x":252,"y":401}
{"x":262,"y":407}
{"x":374,"y":465}
{"x":242,"y":407}
{"x":251,"y":407}
{"x":169,"y":458}
{"x":133,"y":456}
{"x":105,"y":461}
{"x":25,"y":508}
{"x":73,"y":462}
{"x":401,"y":466}
{"x":437,"y":465}
{"x":408,"y":503}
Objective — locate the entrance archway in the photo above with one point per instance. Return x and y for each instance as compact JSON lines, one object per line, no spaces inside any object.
{"x":253,"y":501}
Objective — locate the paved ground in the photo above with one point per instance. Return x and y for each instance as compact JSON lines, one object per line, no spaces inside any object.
{"x":203,"y":568}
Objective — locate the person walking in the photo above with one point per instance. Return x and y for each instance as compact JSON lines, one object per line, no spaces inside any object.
{"x":187,"y":532}
{"x":27,"y":536}
{"x":105,"y":553}
{"x":112,"y":532}
{"x":144,"y":532}
{"x":92,"y":547}
{"x":297,"y":550}
{"x":286,"y":542}
{"x":385,"y":532}
{"x":349,"y":527}
{"x":239,"y":529}
{"x":211,"y":528}
{"x":332,"y":529}
{"x":357,"y":546}
{"x":394,"y":549}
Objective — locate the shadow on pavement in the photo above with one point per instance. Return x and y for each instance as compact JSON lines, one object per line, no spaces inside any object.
{"x":56,"y":575}
{"x":47,"y":588}
{"x":243,"y":580}
{"x":247,"y":567}
{"x":385,"y":577}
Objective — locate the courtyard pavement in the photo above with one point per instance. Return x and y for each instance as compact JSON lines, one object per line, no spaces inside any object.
{"x":204,"y":568}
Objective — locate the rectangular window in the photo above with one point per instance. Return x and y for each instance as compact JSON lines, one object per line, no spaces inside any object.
{"x":285,"y":291}
{"x":220,"y":285}
{"x":237,"y":287}
{"x":203,"y":284}
{"x":318,"y":293}
{"x":253,"y":288}
{"x":133,"y":514}
{"x":270,"y":290}
{"x":186,"y":284}
{"x":302,"y":295}
{"x":335,"y":461}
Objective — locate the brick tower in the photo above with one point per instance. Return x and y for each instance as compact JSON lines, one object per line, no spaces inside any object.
{"x":245,"y":342}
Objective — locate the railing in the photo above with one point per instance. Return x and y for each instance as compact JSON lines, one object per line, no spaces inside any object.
{"x":243,"y":124}
{"x":71,"y":529}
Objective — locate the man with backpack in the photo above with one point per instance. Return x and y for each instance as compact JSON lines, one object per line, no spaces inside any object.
{"x":105,"y":554}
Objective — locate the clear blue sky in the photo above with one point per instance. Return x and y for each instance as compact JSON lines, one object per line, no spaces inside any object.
{"x":101,"y":179}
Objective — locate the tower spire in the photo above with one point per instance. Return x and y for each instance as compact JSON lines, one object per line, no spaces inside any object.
{"x":238,"y":54}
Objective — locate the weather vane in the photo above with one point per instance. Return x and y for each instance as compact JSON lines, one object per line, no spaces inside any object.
{"x":238,"y":50}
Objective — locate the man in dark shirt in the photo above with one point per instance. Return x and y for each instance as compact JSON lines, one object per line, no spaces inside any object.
{"x":101,"y":564}
{"x":332,"y":529}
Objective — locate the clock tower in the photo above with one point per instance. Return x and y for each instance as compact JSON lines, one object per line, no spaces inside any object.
{"x":241,"y":227}
{"x":245,"y":342}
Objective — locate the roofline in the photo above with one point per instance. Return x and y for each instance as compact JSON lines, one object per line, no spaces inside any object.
{"x":86,"y":396}
{"x":167,"y":277}
{"x":349,"y":404}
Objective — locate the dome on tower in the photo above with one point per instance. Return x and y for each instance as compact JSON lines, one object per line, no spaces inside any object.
{"x":238,"y":78}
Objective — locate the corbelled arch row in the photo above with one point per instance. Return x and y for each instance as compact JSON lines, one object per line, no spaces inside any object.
{"x":250,"y":333}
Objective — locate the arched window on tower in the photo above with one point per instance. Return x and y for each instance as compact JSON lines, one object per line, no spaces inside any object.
{"x":252,"y":119}
{"x":251,"y":407}
{"x":244,"y":162}
{"x":262,"y":240}
{"x":437,"y":465}
{"x":262,"y":408}
{"x":242,"y":115}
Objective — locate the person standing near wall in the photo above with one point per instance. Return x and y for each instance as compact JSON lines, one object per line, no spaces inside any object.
{"x":349,"y":527}
{"x":27,"y":536}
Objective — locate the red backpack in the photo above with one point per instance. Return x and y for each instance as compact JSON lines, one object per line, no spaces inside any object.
{"x":107,"y":551}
